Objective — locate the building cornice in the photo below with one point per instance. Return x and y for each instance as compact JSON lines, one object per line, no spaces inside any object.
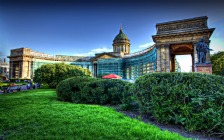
{"x":183,"y":34}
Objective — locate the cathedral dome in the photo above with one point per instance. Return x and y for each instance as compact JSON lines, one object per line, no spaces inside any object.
{"x":121,"y":43}
{"x":121,"y":36}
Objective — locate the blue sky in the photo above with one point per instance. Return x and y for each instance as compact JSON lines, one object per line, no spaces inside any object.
{"x":88,"y":27}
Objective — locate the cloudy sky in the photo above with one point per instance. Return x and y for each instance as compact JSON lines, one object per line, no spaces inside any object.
{"x":84,"y":27}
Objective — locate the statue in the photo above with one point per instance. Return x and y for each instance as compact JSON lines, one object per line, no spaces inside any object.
{"x":202,"y":48}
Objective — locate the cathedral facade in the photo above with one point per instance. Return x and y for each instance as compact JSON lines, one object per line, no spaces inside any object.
{"x":172,"y":38}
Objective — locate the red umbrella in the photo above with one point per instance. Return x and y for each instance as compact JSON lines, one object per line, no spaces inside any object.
{"x":112,"y":76}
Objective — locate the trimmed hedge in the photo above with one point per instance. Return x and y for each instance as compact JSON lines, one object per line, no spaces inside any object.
{"x":103,"y":91}
{"x":192,"y":99}
{"x":91,"y":90}
{"x":129,"y":100}
{"x":71,"y":87}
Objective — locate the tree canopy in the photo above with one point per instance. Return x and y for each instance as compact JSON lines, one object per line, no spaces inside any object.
{"x":53,"y":74}
{"x":218,"y":63}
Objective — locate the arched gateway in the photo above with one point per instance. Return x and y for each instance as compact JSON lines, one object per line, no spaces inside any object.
{"x":179,"y":38}
{"x":189,"y":36}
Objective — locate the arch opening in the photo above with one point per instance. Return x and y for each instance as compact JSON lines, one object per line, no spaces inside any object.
{"x":182,"y":56}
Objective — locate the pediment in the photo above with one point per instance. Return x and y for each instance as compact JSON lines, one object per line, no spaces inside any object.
{"x":104,"y":56}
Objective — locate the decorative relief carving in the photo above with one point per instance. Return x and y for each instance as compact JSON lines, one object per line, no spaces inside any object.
{"x":27,"y":51}
{"x":16,"y":52}
{"x":201,"y":24}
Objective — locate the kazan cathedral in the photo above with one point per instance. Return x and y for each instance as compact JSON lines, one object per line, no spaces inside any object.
{"x":120,"y":61}
{"x":172,"y":38}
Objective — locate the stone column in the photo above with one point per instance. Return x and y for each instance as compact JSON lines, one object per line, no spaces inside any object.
{"x":158,"y":59}
{"x":25,"y":69}
{"x":195,"y":52}
{"x":193,"y":62}
{"x":10,"y":69}
{"x":163,"y":58}
{"x":128,"y":49}
{"x":28,"y":70}
{"x":21,"y":69}
{"x":172,"y":63}
{"x":167,"y":60}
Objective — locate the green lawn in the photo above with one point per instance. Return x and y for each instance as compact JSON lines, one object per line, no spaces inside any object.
{"x":36,"y":114}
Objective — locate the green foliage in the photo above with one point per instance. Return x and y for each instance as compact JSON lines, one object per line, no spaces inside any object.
{"x":218,"y":63}
{"x":53,"y":74}
{"x":129,"y":100}
{"x":91,"y":90}
{"x":192,"y":99}
{"x":70,"y":88}
{"x":4,"y":84}
{"x":37,"y":114}
{"x":102,"y":91}
{"x":44,"y":86}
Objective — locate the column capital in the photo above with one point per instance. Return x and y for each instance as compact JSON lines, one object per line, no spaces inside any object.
{"x":162,"y":45}
{"x":167,"y":45}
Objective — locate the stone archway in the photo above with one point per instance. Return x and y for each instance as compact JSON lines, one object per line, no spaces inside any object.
{"x":179,"y":38}
{"x":181,"y":49}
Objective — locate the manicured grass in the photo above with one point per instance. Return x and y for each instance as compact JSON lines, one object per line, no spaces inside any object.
{"x":37,"y":114}
{"x":4,"y":84}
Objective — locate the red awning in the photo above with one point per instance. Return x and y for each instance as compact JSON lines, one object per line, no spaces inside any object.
{"x":112,"y":76}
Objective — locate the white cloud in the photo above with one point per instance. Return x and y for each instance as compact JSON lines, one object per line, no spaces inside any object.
{"x":100,"y":50}
{"x":94,"y":51}
{"x":146,"y":45}
{"x":80,"y":54}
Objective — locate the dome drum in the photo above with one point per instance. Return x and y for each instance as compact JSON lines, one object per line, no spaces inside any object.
{"x":121,"y":43}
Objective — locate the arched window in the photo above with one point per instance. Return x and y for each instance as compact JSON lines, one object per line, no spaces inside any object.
{"x":118,"y":49}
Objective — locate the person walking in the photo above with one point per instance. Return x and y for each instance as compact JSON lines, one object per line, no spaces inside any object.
{"x":28,"y":86}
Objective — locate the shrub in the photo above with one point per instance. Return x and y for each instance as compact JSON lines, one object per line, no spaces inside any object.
{"x":91,"y":90}
{"x":192,"y":99}
{"x":53,"y":74}
{"x":129,"y":100}
{"x":103,"y":91}
{"x":71,"y":87}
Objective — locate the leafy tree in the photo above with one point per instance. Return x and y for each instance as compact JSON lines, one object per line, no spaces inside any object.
{"x":218,"y":63}
{"x":53,"y":74}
